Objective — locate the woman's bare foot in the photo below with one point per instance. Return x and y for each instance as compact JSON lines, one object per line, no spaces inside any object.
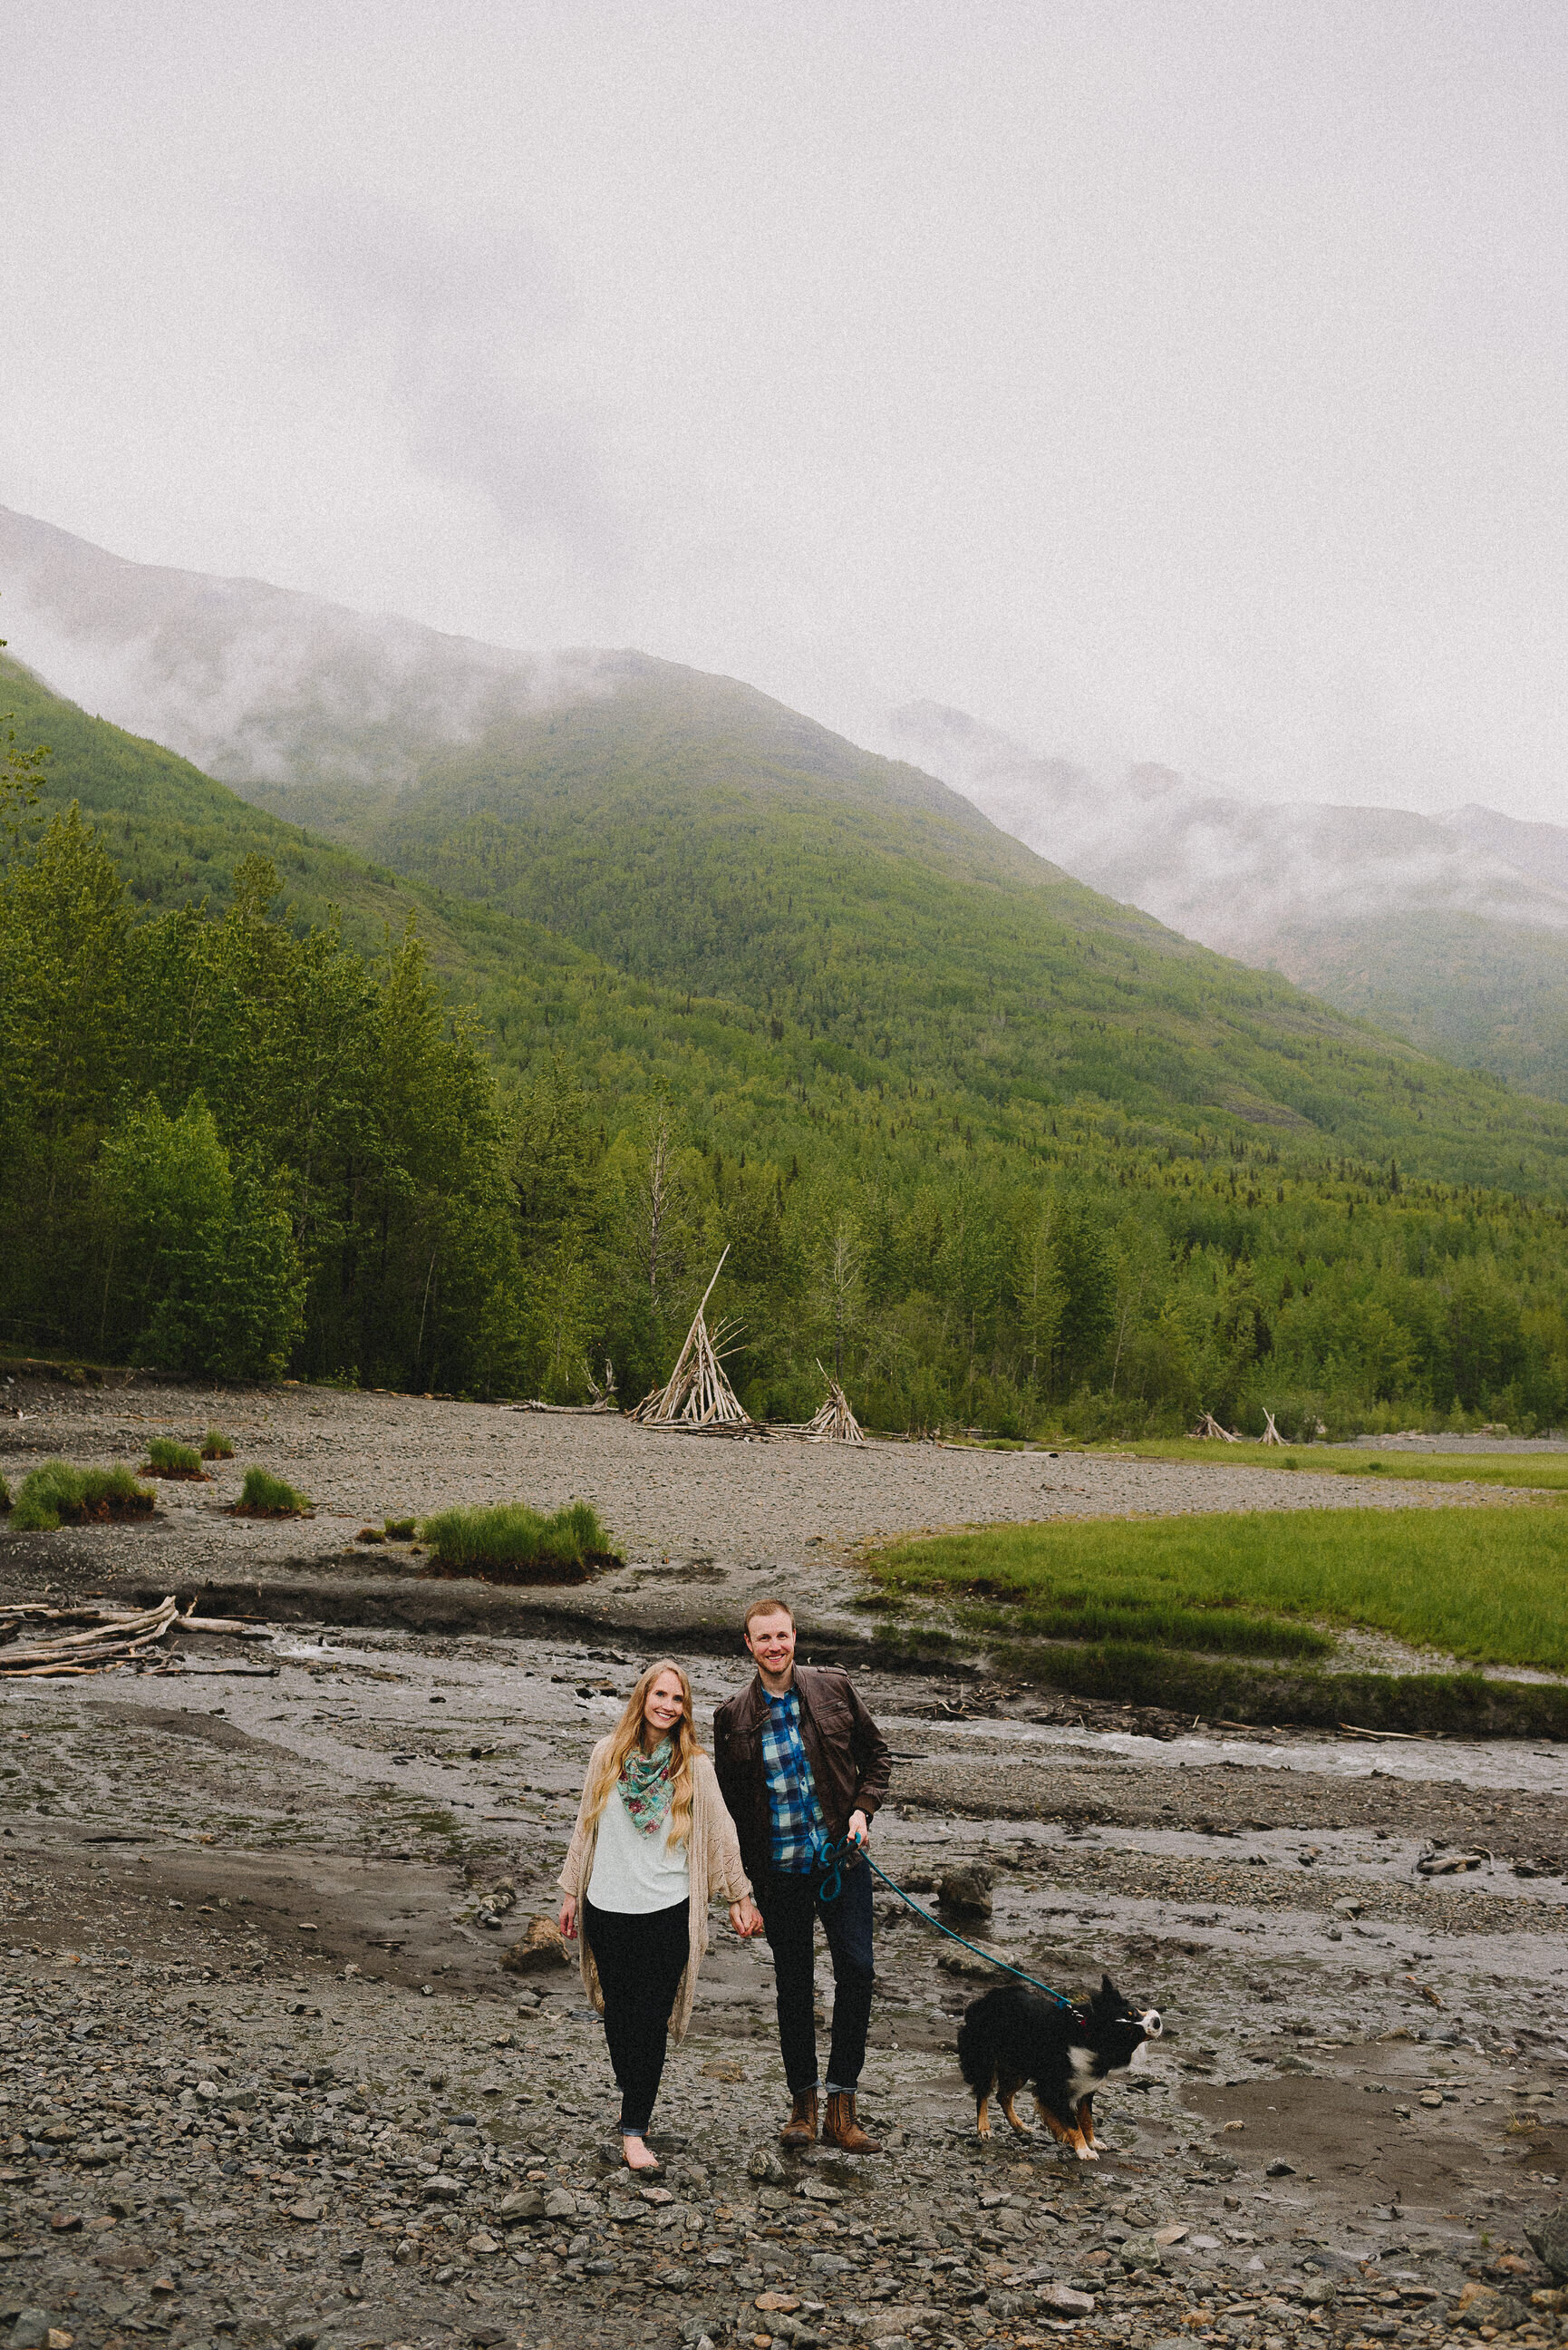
{"x":637,"y":2157}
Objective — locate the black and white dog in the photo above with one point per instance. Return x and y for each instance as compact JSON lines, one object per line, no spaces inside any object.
{"x":1016,"y":2035}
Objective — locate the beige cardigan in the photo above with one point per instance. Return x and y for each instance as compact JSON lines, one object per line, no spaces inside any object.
{"x":714,"y":1860}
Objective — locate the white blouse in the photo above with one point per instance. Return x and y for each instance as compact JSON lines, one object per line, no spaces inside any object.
{"x":633,"y":1872}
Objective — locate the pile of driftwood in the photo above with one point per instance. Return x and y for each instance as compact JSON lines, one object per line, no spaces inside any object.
{"x":833,"y":1422}
{"x":698,"y":1395}
{"x":1209,"y":1426}
{"x":40,"y":1643}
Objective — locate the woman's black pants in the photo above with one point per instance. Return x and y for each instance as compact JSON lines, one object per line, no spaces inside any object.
{"x":641,"y":1956}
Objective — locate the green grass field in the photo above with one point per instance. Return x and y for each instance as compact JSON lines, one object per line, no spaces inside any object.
{"x":1486,"y":1584}
{"x":1540,"y":1473}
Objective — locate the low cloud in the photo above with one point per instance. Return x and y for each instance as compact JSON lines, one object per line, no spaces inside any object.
{"x":468,"y":342}
{"x":262,"y":684}
{"x":1236,"y":876}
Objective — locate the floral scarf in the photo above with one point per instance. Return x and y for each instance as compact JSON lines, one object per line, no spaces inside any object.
{"x":648,"y":1786}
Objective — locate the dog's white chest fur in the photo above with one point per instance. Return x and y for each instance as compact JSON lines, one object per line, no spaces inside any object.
{"x":1082,"y":2076}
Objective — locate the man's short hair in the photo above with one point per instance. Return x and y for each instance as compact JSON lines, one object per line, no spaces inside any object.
{"x":770,"y":1607}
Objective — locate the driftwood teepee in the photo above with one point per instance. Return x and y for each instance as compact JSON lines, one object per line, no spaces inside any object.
{"x":833,"y":1422}
{"x":1271,"y":1433}
{"x":699,"y":1395}
{"x":1209,"y":1426}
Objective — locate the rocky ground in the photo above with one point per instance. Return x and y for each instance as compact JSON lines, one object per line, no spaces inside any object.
{"x":264,"y":2078}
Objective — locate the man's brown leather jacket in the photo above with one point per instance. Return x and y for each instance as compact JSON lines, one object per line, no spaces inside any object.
{"x":849,"y":1756}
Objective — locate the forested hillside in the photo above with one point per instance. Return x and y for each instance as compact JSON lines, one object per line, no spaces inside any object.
{"x":1010,"y":1154}
{"x":1450,"y":932}
{"x":690,"y":832}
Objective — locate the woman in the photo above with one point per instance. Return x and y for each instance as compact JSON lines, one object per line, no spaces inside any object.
{"x":652,"y":1840}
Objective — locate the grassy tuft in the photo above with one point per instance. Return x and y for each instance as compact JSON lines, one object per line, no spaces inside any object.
{"x":1482,"y":1583}
{"x":59,"y":1493}
{"x":167,"y":1459}
{"x":400,"y":1529}
{"x":517,"y":1544}
{"x":4,"y":1494}
{"x":216,"y":1446}
{"x":263,"y":1496}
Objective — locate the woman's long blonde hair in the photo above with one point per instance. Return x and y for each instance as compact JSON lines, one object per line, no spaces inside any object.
{"x":628,"y":1734}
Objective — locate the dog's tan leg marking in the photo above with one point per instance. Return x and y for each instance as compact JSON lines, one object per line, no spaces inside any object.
{"x":1084,"y":2153}
{"x":1059,"y":2130}
{"x":1006,"y":2094}
{"x":1087,"y":2118}
{"x":982,"y":2116}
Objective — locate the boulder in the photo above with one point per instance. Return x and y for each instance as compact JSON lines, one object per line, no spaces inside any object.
{"x":540,"y":1949}
{"x":966,"y":1892}
{"x":1547,"y":2236}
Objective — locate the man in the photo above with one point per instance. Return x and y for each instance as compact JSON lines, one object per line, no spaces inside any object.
{"x":803,"y":1766}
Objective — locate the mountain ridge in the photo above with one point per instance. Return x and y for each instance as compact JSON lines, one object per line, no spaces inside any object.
{"x":1003,"y":1140}
{"x":895,"y":979}
{"x":702,"y":839}
{"x":1451,"y":932}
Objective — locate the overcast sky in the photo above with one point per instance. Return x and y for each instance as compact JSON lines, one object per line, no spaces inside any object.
{"x":1179,"y":381}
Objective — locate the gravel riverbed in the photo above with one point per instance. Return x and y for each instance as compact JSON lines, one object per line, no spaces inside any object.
{"x":753,"y":1507}
{"x":263,"y":2078}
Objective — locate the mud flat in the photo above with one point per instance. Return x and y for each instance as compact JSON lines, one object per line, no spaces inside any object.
{"x":263,"y":2078}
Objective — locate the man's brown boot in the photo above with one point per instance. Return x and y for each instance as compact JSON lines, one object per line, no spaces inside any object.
{"x":843,"y":2130}
{"x":801,"y":2128}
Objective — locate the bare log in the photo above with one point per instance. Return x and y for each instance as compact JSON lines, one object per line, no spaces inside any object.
{"x":112,"y":1637}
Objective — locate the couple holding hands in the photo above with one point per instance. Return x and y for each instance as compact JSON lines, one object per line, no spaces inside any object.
{"x":798,"y":1769}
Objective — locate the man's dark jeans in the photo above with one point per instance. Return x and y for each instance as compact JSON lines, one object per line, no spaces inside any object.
{"x":790,"y":1910}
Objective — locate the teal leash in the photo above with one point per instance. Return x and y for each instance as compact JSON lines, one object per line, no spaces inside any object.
{"x":832,"y":1861}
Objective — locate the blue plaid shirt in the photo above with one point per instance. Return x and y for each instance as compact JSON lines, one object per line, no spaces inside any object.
{"x":798,"y":1828}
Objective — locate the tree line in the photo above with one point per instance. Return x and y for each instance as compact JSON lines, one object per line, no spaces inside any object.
{"x":235,"y":1145}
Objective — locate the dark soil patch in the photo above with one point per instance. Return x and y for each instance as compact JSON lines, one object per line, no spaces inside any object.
{"x":1467,"y":1705}
{"x":175,"y":1476}
{"x":394,"y":1922}
{"x":521,"y":1573}
{"x":107,"y":1512}
{"x":240,"y":1510}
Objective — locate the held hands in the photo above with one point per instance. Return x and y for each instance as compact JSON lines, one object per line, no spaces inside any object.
{"x":859,"y":1827}
{"x":567,"y":1920}
{"x":745,"y":1918}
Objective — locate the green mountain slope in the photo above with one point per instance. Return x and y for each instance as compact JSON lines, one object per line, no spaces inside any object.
{"x":1005,"y":1151}
{"x":174,"y":833}
{"x":1480,"y":993}
{"x":695,"y":834}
